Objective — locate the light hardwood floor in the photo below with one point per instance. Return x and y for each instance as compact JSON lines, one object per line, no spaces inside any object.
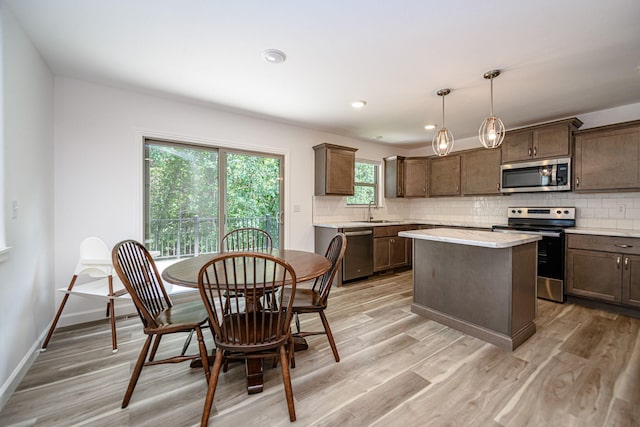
{"x":581,"y":368}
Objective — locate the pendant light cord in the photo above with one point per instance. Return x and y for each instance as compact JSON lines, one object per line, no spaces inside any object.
{"x":492,"y":95}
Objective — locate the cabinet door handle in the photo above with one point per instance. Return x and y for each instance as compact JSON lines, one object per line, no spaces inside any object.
{"x":577,"y":181}
{"x":457,"y":187}
{"x":618,"y":259}
{"x":535,"y":151}
{"x":626,"y":263}
{"x":498,"y":186}
{"x":529,"y":152}
{"x":623,"y":246}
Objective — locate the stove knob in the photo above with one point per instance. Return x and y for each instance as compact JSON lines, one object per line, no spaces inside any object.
{"x":519,"y":211}
{"x":513,"y":211}
{"x":559,"y":211}
{"x":566,"y":212}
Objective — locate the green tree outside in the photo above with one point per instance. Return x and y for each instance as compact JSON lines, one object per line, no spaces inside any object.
{"x":183,"y":197}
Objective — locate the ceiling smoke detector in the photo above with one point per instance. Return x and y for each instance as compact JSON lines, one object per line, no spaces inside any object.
{"x":274,"y":56}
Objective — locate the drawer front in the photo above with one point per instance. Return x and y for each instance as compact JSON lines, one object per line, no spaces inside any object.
{"x":392,"y":230}
{"x":383,"y":231}
{"x":622,"y":245}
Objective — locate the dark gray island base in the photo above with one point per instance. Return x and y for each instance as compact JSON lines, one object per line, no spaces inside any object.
{"x":478,"y":282}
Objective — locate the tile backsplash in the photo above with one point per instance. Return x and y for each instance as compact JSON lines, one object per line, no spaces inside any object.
{"x":603,"y":210}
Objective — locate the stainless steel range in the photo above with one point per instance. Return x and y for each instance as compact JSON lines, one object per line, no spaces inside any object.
{"x":548,"y":222}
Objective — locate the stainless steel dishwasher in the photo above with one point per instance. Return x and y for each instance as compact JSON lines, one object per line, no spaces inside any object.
{"x":358,"y":258}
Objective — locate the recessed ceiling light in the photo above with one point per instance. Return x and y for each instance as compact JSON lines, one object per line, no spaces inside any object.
{"x":274,"y":56}
{"x":430,"y":127}
{"x":358,"y":104}
{"x":379,"y":137}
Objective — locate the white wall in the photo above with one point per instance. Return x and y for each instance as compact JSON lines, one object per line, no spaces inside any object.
{"x":26,"y":292}
{"x":98,"y":165}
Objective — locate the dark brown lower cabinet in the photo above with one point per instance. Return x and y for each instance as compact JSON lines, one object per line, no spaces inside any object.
{"x":604,"y":268}
{"x":381,"y":253}
{"x":400,"y":251}
{"x":631,"y":281}
{"x":389,"y":250}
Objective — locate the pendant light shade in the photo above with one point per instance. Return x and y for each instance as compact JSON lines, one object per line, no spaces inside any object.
{"x":492,"y":130}
{"x":443,"y":140}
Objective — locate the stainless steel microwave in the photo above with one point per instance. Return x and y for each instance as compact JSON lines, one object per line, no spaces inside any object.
{"x":539,"y":175}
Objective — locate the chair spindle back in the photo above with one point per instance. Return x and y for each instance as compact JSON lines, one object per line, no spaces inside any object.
{"x":140,"y":277}
{"x":335,"y":253}
{"x":243,"y":294}
{"x":247,"y":239}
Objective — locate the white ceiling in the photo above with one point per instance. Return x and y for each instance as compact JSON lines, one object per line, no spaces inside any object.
{"x":559,"y":58}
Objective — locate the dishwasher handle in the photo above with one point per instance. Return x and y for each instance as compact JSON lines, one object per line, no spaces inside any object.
{"x":358,"y":233}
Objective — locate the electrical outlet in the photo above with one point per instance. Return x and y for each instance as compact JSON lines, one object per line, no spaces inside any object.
{"x":296,"y":208}
{"x":621,"y":209}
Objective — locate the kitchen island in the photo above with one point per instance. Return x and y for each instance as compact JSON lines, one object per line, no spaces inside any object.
{"x":478,"y":282}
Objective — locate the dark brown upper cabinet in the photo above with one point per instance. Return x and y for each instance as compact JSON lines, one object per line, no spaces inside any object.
{"x":481,"y":171}
{"x":607,"y":158}
{"x":444,"y":176}
{"x":548,"y":140}
{"x":334,"y":170}
{"x":405,"y":176}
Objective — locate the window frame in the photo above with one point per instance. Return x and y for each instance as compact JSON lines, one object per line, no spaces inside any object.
{"x":376,"y":184}
{"x":223,"y":151}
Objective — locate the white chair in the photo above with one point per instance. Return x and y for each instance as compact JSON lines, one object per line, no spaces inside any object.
{"x":95,"y":262}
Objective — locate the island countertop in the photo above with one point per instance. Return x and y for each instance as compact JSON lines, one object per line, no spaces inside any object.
{"x":487,"y":239}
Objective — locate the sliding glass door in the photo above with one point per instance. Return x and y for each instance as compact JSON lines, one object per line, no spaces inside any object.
{"x":252,"y":196}
{"x":194,"y":195}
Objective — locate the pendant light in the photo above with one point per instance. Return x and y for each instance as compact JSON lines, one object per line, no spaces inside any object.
{"x":443,"y":140}
{"x":492,"y":130}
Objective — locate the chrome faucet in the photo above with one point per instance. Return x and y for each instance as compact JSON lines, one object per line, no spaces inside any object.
{"x":369,"y":210}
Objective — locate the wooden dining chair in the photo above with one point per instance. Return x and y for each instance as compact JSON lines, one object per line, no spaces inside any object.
{"x":314,"y":300}
{"x":158,"y":314}
{"x":249,"y":328}
{"x":247,"y":239}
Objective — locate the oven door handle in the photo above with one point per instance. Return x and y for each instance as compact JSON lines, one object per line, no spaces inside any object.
{"x":535,"y":233}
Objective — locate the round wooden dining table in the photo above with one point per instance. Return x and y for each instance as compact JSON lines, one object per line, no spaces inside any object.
{"x":307,"y":266}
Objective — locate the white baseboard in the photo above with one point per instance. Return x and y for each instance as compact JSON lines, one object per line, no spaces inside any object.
{"x":13,"y":381}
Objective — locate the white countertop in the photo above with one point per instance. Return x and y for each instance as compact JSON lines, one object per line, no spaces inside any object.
{"x":618,"y":232}
{"x":572,"y":230}
{"x":387,"y":222}
{"x":485,"y":239}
